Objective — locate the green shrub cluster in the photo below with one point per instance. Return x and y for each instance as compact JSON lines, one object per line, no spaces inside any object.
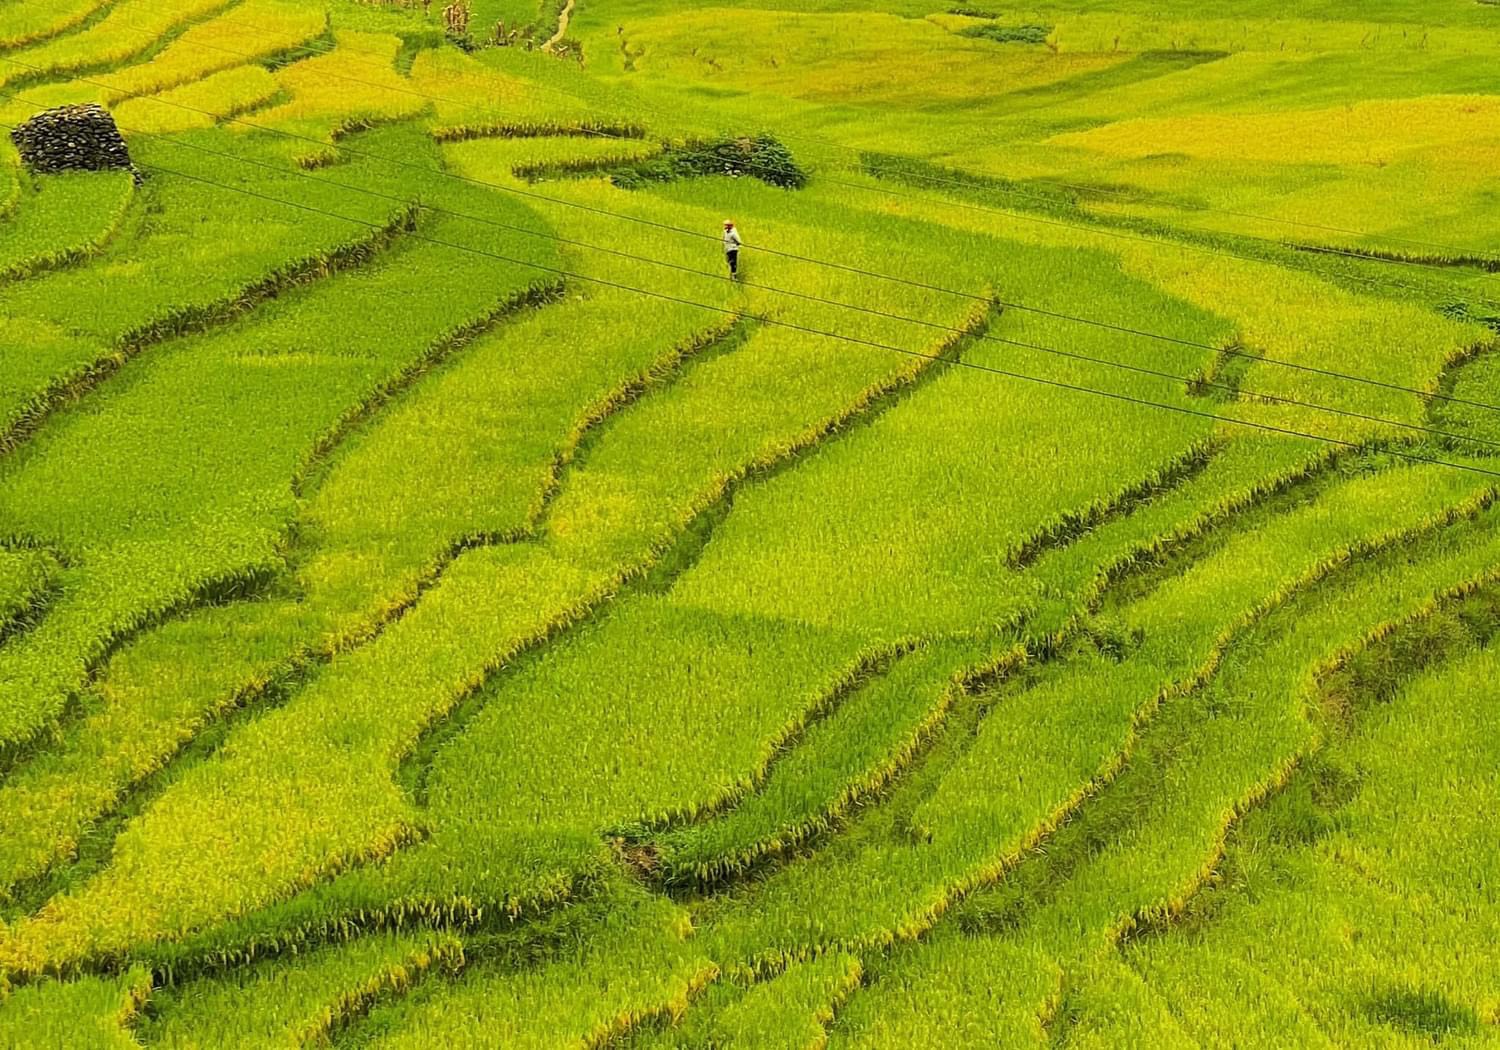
{"x":762,"y":157}
{"x":1004,"y":34}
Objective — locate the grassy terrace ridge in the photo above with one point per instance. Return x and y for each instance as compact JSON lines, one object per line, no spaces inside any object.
{"x":1046,"y":599}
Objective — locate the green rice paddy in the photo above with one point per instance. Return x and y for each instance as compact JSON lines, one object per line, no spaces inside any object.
{"x":1047,"y":601}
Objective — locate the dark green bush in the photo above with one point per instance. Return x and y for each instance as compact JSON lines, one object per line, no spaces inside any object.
{"x":1029,"y":34}
{"x":761,"y":157}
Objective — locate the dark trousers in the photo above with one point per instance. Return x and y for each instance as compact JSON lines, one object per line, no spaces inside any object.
{"x":734,"y":262}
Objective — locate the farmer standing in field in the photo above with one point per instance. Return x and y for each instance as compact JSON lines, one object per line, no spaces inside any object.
{"x":732,"y":247}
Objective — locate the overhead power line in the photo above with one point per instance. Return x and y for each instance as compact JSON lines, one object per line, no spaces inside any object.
{"x":1010,"y":304}
{"x":1190,"y":381}
{"x":1453,"y":250}
{"x":1013,"y":215}
{"x":839,"y":336}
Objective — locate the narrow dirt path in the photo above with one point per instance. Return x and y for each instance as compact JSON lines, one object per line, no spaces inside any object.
{"x":562,"y":26}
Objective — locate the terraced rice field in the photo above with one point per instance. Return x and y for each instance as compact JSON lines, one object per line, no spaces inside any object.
{"x":1048,"y":601}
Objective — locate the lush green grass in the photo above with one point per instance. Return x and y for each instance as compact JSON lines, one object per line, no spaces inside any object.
{"x":448,"y":610}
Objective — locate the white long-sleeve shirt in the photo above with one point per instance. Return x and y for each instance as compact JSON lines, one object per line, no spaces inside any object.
{"x":731,"y":240}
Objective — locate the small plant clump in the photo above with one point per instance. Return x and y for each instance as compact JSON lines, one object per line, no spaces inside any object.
{"x":762,"y":157}
{"x":1003,"y":34}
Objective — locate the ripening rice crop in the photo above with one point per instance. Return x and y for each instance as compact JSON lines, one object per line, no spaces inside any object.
{"x":64,"y":218}
{"x":355,"y":81}
{"x":1044,"y":598}
{"x":199,"y":104}
{"x":26,"y":24}
{"x":248,"y":33}
{"x":126,"y":31}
